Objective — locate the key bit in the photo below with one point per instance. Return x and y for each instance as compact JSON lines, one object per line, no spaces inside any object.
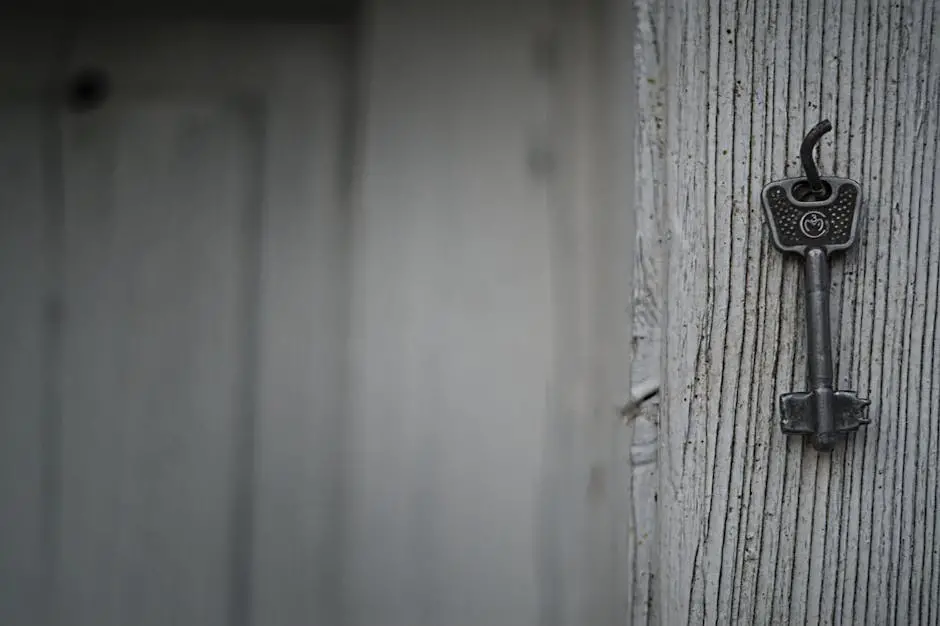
{"x":813,"y":217}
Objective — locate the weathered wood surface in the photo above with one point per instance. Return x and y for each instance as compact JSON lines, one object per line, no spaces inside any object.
{"x":647,"y":309}
{"x":757,"y":528}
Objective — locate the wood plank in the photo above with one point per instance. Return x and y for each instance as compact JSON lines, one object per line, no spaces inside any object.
{"x":757,"y":528}
{"x":294,"y":80}
{"x":304,"y":321}
{"x":450,"y":329}
{"x":159,"y":198}
{"x":27,"y":337}
{"x":649,"y":308}
{"x":490,"y":317}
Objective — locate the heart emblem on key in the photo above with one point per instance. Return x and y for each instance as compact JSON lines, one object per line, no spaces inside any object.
{"x":813,"y":224}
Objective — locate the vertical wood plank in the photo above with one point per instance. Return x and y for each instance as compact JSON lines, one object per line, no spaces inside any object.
{"x":159,"y":196}
{"x":592,"y":133}
{"x":304,"y":330}
{"x":647,"y":371}
{"x":26,"y":313}
{"x":491,"y":279}
{"x":757,"y":528}
{"x":450,"y":322}
{"x":29,"y":319}
{"x":288,"y":85}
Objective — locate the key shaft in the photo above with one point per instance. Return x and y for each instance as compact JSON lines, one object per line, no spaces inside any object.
{"x":819,"y":345}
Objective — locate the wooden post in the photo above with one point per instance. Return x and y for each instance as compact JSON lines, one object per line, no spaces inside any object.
{"x":755,"y":527}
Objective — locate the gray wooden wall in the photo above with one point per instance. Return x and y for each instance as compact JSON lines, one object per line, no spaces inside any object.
{"x":756,"y":528}
{"x":298,"y":336}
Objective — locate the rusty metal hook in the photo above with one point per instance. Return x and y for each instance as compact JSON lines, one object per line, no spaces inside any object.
{"x":806,"y":157}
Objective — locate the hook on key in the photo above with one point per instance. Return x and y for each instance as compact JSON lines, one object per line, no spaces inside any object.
{"x":806,"y":158}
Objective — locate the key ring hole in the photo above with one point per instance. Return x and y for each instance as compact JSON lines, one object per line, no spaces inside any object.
{"x":803,"y":192}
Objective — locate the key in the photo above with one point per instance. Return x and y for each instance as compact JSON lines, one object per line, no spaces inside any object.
{"x":814,"y":217}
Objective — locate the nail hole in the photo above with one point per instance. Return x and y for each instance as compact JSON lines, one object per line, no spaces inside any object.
{"x":88,"y":90}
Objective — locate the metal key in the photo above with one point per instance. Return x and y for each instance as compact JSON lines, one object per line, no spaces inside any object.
{"x":813,"y":217}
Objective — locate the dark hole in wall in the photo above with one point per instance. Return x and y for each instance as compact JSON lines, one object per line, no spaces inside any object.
{"x":88,"y":89}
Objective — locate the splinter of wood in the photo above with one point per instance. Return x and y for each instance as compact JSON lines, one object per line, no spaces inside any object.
{"x":814,"y":217}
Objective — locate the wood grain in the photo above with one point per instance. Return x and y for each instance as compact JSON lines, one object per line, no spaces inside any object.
{"x":647,"y":305}
{"x":758,"y":528}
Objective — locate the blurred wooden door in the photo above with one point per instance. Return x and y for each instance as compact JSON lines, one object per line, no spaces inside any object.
{"x":171,"y":268}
